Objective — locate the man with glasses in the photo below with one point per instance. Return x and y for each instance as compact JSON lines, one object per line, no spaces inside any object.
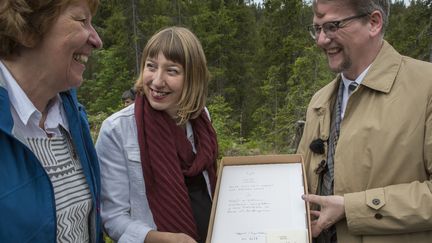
{"x":367,"y":141}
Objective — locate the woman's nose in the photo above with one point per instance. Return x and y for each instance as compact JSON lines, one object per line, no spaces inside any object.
{"x":94,"y":39}
{"x":158,"y":78}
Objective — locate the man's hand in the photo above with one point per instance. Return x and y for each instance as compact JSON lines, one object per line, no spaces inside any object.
{"x":332,"y":210}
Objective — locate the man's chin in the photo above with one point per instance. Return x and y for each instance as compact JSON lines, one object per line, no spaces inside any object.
{"x":335,"y":68}
{"x":338,"y":66}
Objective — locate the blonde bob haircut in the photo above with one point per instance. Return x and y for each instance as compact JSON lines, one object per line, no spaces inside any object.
{"x":23,"y":23}
{"x":181,"y":46}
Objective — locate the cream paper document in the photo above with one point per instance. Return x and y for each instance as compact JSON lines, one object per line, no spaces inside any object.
{"x":261,"y":204}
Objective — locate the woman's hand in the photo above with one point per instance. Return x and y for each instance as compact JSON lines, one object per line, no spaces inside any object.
{"x":167,"y":237}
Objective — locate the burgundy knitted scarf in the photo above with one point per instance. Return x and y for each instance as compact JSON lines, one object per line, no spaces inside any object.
{"x":166,"y":158}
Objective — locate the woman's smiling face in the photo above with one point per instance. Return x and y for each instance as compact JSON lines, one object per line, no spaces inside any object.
{"x":66,"y":47}
{"x":163,"y":83}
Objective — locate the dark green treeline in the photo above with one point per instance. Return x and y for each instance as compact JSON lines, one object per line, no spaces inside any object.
{"x":264,"y":65}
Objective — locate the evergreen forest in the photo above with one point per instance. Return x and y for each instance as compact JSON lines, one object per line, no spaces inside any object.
{"x":264,"y":65}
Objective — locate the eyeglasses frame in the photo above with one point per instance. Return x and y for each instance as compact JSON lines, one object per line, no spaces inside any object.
{"x":315,"y":30}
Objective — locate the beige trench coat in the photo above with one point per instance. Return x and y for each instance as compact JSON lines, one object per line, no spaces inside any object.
{"x":383,"y":160}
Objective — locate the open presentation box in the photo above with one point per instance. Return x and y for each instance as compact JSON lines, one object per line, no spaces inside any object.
{"x":258,"y":200}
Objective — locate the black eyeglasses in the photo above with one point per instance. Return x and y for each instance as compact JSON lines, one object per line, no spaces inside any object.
{"x":331,"y":27}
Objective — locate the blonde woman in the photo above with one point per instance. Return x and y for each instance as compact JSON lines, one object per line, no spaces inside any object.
{"x":158,"y":156}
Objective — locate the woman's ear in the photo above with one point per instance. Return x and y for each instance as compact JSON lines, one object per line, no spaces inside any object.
{"x":28,"y":40}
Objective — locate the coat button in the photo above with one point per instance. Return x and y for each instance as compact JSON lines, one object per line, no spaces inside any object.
{"x":376,"y":201}
{"x":378,"y":216}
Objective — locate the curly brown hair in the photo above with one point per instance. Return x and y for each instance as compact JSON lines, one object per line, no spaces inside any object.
{"x":25,"y":22}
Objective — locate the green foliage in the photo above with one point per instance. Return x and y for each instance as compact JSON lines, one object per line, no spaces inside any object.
{"x":113,"y":73}
{"x":225,"y":127}
{"x":410,"y":29}
{"x":103,"y":92}
{"x":96,"y":122}
{"x":107,"y":239}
